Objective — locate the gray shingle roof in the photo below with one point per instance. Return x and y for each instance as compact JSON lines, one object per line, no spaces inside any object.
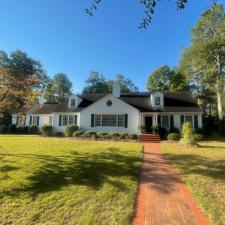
{"x":173,"y":102}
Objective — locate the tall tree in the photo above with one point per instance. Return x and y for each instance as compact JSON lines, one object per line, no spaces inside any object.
{"x":126,"y":85}
{"x":21,"y":80}
{"x":166,"y":79}
{"x":58,"y":88}
{"x":96,"y":83}
{"x":159,"y":80}
{"x":206,"y":54}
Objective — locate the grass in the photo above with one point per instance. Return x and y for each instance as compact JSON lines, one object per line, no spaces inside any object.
{"x":203,"y":170}
{"x":59,"y":181}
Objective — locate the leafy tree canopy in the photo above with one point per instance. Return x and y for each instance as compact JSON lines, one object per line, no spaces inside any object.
{"x":166,"y":79}
{"x":96,"y":83}
{"x":58,"y":88}
{"x":21,"y":80}
{"x":205,"y":57}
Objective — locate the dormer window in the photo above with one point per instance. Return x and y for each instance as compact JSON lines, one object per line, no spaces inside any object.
{"x":157,"y":100}
{"x":73,"y":102}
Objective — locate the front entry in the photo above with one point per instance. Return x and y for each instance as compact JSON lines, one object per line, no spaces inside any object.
{"x":148,"y":124}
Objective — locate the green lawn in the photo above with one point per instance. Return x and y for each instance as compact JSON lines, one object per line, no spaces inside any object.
{"x":59,"y":181}
{"x":203,"y":170}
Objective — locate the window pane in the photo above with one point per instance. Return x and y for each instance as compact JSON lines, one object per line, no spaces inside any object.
{"x":98,"y":120}
{"x":73,"y":102}
{"x":65,"y":120}
{"x":109,"y":120}
{"x":50,"y":121}
{"x":157,"y":100}
{"x":71,"y":119}
{"x":165,"y":121}
{"x":120,"y":122}
{"x":34,"y":121}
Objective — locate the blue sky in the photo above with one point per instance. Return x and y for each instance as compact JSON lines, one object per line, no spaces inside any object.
{"x":65,"y":39}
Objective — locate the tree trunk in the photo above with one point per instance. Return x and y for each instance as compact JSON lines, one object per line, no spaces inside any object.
{"x":219,"y":91}
{"x":220,"y":111}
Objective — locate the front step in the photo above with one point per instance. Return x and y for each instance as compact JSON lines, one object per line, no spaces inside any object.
{"x":149,"y":138}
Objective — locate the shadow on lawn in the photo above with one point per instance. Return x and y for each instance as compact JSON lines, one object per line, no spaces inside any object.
{"x":77,"y":169}
{"x":195,"y":164}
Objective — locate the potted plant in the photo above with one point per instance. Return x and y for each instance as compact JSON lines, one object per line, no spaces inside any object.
{"x":142,"y":128}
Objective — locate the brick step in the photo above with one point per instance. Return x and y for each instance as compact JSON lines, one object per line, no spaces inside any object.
{"x":149,"y":138}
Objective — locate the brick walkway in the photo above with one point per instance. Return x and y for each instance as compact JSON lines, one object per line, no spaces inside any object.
{"x":162,"y":198}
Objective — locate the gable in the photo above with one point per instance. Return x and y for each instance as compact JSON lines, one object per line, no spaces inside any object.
{"x":110,"y":104}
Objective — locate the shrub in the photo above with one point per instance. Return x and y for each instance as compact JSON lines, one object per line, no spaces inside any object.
{"x":133,"y":136}
{"x":47,"y":130}
{"x":90,"y":134}
{"x":173,"y":137}
{"x":124,"y":136}
{"x":70,"y":129}
{"x":198,"y":137}
{"x":12,"y":128}
{"x":23,"y":130}
{"x":113,"y":135}
{"x":187,"y":134}
{"x":199,"y":131}
{"x":161,"y":131}
{"x":3,"y":129}
{"x":59,"y":134}
{"x":102,"y":135}
{"x":78,"y":133}
{"x":33,"y":129}
{"x":174,"y":130}
{"x":142,"y":128}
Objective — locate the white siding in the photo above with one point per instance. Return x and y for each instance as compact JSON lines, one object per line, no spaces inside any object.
{"x":56,"y":121}
{"x":117,"y":107}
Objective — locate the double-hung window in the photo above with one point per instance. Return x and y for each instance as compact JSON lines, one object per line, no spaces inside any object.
{"x":72,"y":102}
{"x":120,"y":121}
{"x":65,"y":120}
{"x":98,"y":120}
{"x":157,"y":100}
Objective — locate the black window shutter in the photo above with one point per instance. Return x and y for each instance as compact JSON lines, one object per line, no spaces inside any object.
{"x":92,"y":120}
{"x":60,"y":120}
{"x":75,"y":119}
{"x":38,"y":120}
{"x":126,"y":120}
{"x":181,"y":119}
{"x":159,"y":119}
{"x":17,"y":120}
{"x":171,"y":122}
{"x":30,"y":120}
{"x":196,"y":121}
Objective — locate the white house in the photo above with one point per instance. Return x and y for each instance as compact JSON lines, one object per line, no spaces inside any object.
{"x":118,"y":112}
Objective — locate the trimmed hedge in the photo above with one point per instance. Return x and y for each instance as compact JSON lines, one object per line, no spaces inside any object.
{"x":70,"y":129}
{"x":47,"y":131}
{"x":59,"y":134}
{"x":33,"y":130}
{"x":78,"y":133}
{"x":173,"y":137}
{"x":198,"y":137}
